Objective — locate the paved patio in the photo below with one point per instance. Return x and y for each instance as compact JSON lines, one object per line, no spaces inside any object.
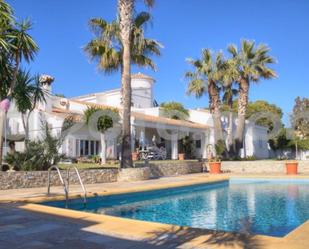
{"x":34,"y":226}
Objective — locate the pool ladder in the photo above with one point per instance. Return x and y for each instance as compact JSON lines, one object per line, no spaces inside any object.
{"x":66,"y":184}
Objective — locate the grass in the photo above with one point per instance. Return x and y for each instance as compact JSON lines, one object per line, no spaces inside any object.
{"x":116,"y":165}
{"x":88,"y":166}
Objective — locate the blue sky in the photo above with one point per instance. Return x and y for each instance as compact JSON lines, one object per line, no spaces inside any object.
{"x":184,"y":27}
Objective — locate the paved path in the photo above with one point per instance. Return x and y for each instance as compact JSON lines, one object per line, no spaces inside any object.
{"x":22,"y":229}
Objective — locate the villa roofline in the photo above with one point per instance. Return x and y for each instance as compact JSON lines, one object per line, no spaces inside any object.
{"x":139,"y":116}
{"x":95,"y":94}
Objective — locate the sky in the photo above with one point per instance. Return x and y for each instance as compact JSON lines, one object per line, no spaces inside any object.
{"x":184,"y":27}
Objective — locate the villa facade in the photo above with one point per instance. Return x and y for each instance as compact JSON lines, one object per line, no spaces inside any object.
{"x":148,"y":125}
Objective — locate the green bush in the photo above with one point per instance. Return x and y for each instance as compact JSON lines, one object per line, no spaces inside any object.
{"x":38,"y":155}
{"x":220,"y":148}
{"x":249,"y":158}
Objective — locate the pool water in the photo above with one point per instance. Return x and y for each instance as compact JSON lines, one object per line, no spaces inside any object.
{"x":267,"y":207}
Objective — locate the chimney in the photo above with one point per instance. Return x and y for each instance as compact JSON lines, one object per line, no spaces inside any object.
{"x":46,"y":82}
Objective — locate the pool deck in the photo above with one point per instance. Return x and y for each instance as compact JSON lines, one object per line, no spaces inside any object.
{"x":25,"y":224}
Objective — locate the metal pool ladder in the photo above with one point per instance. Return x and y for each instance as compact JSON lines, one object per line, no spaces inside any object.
{"x":66,"y":184}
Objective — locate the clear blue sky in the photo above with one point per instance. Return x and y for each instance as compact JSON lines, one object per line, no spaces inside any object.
{"x":184,"y":27}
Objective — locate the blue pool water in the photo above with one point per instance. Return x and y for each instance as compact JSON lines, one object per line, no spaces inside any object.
{"x":268,"y":207}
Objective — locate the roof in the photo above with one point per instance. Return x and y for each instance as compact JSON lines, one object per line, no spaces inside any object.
{"x":139,"y":75}
{"x":136,"y":115}
{"x":169,"y":121}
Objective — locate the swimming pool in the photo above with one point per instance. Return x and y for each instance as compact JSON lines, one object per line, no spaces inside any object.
{"x":259,"y":206}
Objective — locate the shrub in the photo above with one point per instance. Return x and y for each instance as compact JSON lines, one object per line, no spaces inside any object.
{"x":38,"y":155}
{"x":220,"y":148}
{"x":174,"y":110}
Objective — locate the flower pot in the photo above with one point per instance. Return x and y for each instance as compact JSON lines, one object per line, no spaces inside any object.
{"x":291,"y":168}
{"x":215,"y":167}
{"x":134,"y":156}
{"x":181,"y":156}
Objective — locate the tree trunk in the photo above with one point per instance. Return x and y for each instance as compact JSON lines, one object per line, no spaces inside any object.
{"x":14,"y":76}
{"x":242,"y":109}
{"x":2,"y":120}
{"x":125,"y":8}
{"x":214,"y":106}
{"x":103,"y":149}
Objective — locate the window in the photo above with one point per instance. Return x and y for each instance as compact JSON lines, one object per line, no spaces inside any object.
{"x":97,"y":147}
{"x":87,"y":147}
{"x":81,"y":148}
{"x":198,"y":144}
{"x":91,"y":147}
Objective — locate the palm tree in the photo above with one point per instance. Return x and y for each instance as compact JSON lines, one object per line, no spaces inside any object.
{"x":20,"y":46}
{"x":105,"y":119}
{"x":27,"y":93}
{"x":251,"y":63}
{"x":117,"y":45}
{"x":6,"y":21}
{"x":106,"y":48}
{"x":207,"y":76}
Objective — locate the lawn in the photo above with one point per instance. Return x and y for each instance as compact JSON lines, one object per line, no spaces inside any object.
{"x":137,"y":164}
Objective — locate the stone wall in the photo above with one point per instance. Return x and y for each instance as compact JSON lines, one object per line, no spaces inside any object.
{"x":157,"y":170}
{"x":173,"y":169}
{"x":33,"y":179}
{"x":263,"y":166}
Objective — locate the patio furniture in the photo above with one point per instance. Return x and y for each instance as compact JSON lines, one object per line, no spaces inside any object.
{"x":153,"y":153}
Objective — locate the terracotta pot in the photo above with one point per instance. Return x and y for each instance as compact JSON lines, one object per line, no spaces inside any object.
{"x":215,"y":167}
{"x":181,"y":156}
{"x":134,"y":156}
{"x":291,"y":168}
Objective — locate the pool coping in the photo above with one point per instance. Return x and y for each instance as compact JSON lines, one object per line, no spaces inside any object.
{"x":143,"y":229}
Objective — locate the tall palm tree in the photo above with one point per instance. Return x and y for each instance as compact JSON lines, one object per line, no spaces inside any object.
{"x":207,"y":78}
{"x":125,"y":13}
{"x":22,"y":47}
{"x":28,"y":92}
{"x":116,"y":47}
{"x":107,"y":50}
{"x":252,"y":64}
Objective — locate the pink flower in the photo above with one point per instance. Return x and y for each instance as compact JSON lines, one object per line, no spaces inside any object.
{"x":5,"y":105}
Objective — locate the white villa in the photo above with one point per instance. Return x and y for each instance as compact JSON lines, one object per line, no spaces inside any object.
{"x":148,"y":124}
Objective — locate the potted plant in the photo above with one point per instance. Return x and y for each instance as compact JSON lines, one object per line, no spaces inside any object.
{"x":215,"y":162}
{"x":135,"y":156}
{"x":181,"y":156}
{"x":215,"y":165}
{"x":291,"y":167}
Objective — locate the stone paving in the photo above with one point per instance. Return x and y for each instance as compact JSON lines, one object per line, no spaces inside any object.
{"x":26,"y":230}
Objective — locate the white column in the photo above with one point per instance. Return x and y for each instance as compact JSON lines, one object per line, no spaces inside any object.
{"x":204,"y":142}
{"x":142,"y":138}
{"x":174,"y":143}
